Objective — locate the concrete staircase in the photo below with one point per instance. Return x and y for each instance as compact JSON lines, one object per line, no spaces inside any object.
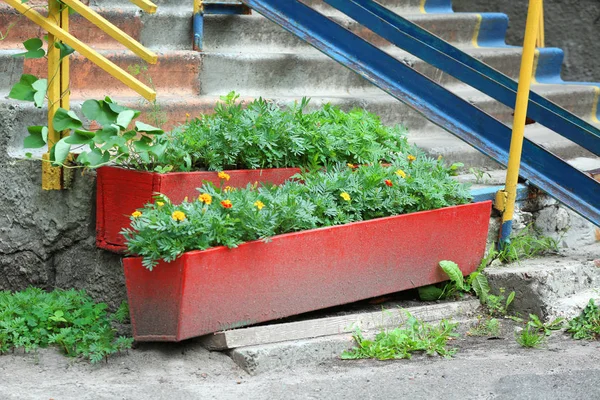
{"x":254,"y":57}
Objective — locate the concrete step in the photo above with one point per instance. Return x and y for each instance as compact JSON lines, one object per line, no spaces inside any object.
{"x":171,"y":28}
{"x":544,"y":286}
{"x":571,"y":306}
{"x":255,"y":74}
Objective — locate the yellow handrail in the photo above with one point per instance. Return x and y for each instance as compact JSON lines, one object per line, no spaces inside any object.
{"x":112,"y":31}
{"x":541,"y":39}
{"x":505,"y":200}
{"x":101,"y":61}
{"x":145,"y":5}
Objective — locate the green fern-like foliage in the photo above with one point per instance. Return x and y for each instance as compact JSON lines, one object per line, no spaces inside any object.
{"x":67,"y":319}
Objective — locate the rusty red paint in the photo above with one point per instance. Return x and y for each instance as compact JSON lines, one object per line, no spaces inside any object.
{"x":120,"y":191}
{"x":207,"y":291}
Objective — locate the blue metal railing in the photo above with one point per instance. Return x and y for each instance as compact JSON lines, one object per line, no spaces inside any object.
{"x":540,"y":167}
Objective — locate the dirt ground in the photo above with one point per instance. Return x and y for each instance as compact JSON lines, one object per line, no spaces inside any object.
{"x":483,"y":368}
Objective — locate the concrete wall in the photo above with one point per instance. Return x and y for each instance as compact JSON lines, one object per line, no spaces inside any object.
{"x":573,"y":25}
{"x":47,"y":238}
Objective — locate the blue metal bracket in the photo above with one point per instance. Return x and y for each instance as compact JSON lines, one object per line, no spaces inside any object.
{"x":444,"y":56}
{"x":202,"y":8}
{"x":543,"y":169}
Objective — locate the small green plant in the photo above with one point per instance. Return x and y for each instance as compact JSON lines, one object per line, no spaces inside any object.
{"x":545,"y":327}
{"x":479,"y":175}
{"x":498,"y":305}
{"x":338,"y":195}
{"x":399,"y":343}
{"x":528,"y":244}
{"x":262,"y":134}
{"x":485,"y":326}
{"x":69,"y":320}
{"x":476,"y":282}
{"x":529,"y":337}
{"x":587,"y":325}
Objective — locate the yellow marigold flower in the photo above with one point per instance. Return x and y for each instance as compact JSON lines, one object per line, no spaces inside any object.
{"x":136,"y":214}
{"x":411,"y":158}
{"x":259,"y":204}
{"x":345,"y":196}
{"x":187,"y":115}
{"x":440,"y":157}
{"x":205,"y":198}
{"x":178,"y":215}
{"x":185,"y":199}
{"x":227,"y":189}
{"x":223,"y":175}
{"x":160,"y":203}
{"x":401,"y":173}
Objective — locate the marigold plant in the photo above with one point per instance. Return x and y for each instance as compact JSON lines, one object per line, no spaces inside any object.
{"x":332,"y":196}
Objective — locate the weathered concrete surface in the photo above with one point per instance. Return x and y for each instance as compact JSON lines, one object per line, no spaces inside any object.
{"x":543,"y":286}
{"x":571,"y":25}
{"x":482,"y":369}
{"x":47,"y":237}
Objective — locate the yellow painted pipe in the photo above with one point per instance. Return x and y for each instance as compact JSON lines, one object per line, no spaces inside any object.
{"x":516,"y":143}
{"x":541,"y":40}
{"x":54,"y":29}
{"x":145,"y":5}
{"x":112,"y":31}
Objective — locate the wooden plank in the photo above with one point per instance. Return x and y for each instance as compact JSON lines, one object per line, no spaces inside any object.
{"x":334,"y":325}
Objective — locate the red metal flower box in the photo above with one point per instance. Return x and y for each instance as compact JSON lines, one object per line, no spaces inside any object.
{"x":220,"y":288}
{"x":121,"y":191}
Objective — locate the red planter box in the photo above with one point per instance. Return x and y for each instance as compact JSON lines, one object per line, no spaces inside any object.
{"x":220,"y":288}
{"x":121,"y":191}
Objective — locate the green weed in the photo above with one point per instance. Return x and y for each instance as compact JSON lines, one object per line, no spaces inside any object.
{"x":545,"y":327}
{"x":587,"y":325}
{"x":530,"y":337}
{"x":399,"y":343}
{"x":69,"y":320}
{"x":528,"y":244}
{"x":485,"y":326}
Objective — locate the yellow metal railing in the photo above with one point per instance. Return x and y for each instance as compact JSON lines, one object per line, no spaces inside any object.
{"x":57,"y":26}
{"x":541,"y":38}
{"x":505,"y":199}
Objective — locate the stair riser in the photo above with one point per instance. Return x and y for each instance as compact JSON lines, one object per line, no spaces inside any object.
{"x":171,"y":28}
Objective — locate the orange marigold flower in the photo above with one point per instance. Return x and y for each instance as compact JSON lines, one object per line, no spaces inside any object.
{"x":389,"y":183}
{"x":411,"y":158}
{"x":353,"y":166}
{"x":160,"y":203}
{"x":345,"y":196}
{"x":205,"y":198}
{"x":136,"y":214}
{"x":226,"y":204}
{"x":401,"y":173}
{"x":259,"y":204}
{"x":178,"y":215}
{"x":223,"y":175}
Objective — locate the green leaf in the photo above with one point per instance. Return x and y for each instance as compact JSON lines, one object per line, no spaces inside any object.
{"x":454,"y":273}
{"x":61,"y":151}
{"x":106,"y":133}
{"x":23,"y":90}
{"x":34,"y":49}
{"x":65,"y":49}
{"x":142,"y":127}
{"x":80,"y":137}
{"x":64,"y":120}
{"x":99,"y":111}
{"x":38,"y":137}
{"x":430,"y":293}
{"x":97,"y":157}
{"x":510,"y":299}
{"x":124,"y":118}
{"x":480,"y":285}
{"x":40,"y":86}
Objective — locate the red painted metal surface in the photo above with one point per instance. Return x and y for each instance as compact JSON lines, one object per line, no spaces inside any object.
{"x":121,"y":191}
{"x":219,"y":288}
